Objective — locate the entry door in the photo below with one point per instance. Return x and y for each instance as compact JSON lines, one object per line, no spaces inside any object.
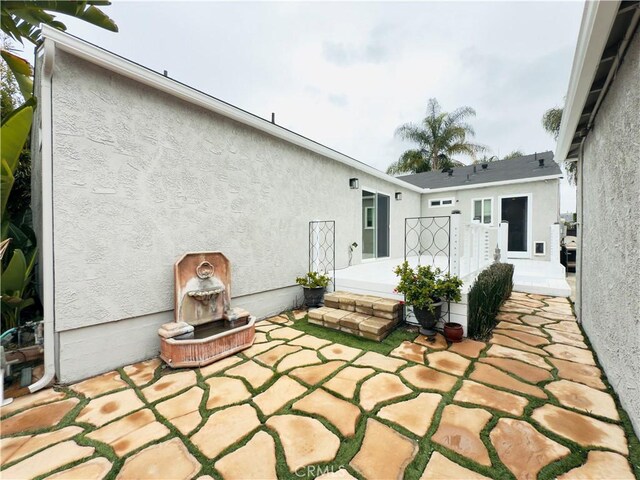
{"x":376,"y":209}
{"x":383,"y":225}
{"x":515,"y":210}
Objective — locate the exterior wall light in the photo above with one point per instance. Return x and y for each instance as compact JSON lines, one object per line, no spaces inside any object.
{"x":354,"y":183}
{"x":398,"y":195}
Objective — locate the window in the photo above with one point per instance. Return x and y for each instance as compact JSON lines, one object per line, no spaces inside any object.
{"x":441,"y":202}
{"x":482,"y":210}
{"x":369,"y":213}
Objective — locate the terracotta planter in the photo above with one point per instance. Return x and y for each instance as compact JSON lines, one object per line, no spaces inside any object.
{"x":428,"y":319}
{"x":453,"y":332}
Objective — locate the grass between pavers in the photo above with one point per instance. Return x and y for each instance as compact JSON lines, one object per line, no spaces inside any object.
{"x":395,"y":338}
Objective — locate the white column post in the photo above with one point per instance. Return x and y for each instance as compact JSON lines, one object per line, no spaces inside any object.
{"x":503,"y":239}
{"x":554,"y":243}
{"x":454,"y":243}
{"x":486,"y":254}
{"x":467,"y":248}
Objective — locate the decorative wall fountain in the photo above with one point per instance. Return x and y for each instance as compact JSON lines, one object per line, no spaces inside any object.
{"x":205,"y":327}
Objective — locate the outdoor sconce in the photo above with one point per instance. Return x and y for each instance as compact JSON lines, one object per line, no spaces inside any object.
{"x":398,"y":195}
{"x":354,"y":183}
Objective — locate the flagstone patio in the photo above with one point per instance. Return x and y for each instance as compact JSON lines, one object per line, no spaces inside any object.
{"x":530,"y":403}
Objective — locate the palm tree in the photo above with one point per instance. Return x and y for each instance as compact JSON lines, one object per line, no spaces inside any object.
{"x":551,"y":120}
{"x":439,"y":137}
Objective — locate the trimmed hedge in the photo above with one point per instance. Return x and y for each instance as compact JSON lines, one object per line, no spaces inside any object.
{"x":491,"y":288}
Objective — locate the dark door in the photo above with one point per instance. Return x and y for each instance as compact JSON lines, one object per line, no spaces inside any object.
{"x":514,"y":211}
{"x":383,"y":225}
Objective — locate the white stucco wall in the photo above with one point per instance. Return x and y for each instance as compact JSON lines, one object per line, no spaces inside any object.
{"x":609,"y":215}
{"x":545,"y":206}
{"x":140,"y":177}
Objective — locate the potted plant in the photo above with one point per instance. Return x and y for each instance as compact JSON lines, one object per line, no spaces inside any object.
{"x":425,"y":289}
{"x":313,"y":286}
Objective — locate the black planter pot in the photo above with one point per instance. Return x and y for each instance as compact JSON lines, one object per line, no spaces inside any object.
{"x":313,"y":297}
{"x":428,"y":319}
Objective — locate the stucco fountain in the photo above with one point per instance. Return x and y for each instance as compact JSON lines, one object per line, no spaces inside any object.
{"x":205,"y":327}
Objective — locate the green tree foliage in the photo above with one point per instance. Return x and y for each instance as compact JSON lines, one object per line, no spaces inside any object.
{"x":514,"y":154}
{"x":439,"y":138}
{"x":551,"y":120}
{"x":21,"y":20}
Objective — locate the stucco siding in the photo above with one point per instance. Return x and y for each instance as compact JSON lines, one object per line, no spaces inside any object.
{"x":140,"y":178}
{"x":609,"y":211}
{"x":544,"y":198}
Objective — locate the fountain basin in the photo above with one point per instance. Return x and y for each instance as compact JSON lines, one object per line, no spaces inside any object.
{"x":206,"y":348}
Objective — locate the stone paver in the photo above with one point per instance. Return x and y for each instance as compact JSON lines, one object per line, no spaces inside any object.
{"x":426,"y":378}
{"x":260,"y":337}
{"x":224,"y":428}
{"x":530,"y":358}
{"x":341,"y":474}
{"x":299,"y":359}
{"x":529,"y":339}
{"x":170,"y":459}
{"x":526,"y":372}
{"x":459,"y":430}
{"x":511,"y":343}
{"x":131,"y":432}
{"x":448,"y":362}
{"x":468,"y":348}
{"x":380,"y":388}
{"x":219,"y":365}
{"x":255,"y":374}
{"x":441,"y":468}
{"x":42,"y":416}
{"x":48,"y":460}
{"x":523,"y":449}
{"x":305,"y":440}
{"x":265,"y":326}
{"x":109,"y":407}
{"x":601,"y":465}
{"x":582,"y":429}
{"x":309,"y":341}
{"x":581,"y":397}
{"x":342,"y":414}
{"x":491,"y":375}
{"x":518,"y":328}
{"x":96,"y":468}
{"x":374,"y":460}
{"x":15,"y":448}
{"x":169,"y":385}
{"x":27,"y":401}
{"x":183,"y":410}
{"x":224,"y":391}
{"x":254,"y":461}
{"x":566,"y":326}
{"x":535,"y":320}
{"x":410,"y":351}
{"x":339,"y":352}
{"x":257,"y":349}
{"x":376,"y":360}
{"x":100,"y":385}
{"x":478,"y":394}
{"x":346,"y":380}
{"x":573,"y":339}
{"x":415,"y":415}
{"x":437,"y":342}
{"x":573,"y":354}
{"x":281,"y":392}
{"x":142,"y":373}
{"x":316,"y":373}
{"x":586,"y":374}
{"x":285,"y":333}
{"x":508,"y":317}
{"x":273,"y":356}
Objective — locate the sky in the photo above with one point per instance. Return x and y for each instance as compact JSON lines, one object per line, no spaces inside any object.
{"x":348,"y":74}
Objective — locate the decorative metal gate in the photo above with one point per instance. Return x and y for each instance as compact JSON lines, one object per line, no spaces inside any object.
{"x":322,"y":248}
{"x":428,"y":240}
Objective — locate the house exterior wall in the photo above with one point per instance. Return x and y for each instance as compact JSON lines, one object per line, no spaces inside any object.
{"x":141,"y":177}
{"x":545,"y":198}
{"x":609,"y":216}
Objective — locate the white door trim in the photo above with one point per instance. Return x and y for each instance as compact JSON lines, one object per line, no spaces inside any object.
{"x":527,"y":253}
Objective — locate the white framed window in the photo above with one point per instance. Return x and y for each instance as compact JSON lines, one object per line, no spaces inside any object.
{"x":482,"y":210}
{"x":441,"y":202}
{"x":369,"y":218}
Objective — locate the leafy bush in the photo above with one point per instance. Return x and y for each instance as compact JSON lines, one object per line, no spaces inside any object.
{"x":313,"y":280}
{"x":425,"y":286}
{"x":492,"y":287}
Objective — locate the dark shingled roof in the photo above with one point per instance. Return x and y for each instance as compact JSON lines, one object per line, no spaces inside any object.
{"x":500,"y":171}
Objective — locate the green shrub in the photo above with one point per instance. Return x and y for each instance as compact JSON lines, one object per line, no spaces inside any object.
{"x":314,"y":280}
{"x":492,"y":287}
{"x":425,"y":286}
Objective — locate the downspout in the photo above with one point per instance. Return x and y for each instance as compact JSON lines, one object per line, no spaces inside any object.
{"x":579,"y":275}
{"x":47,"y":52}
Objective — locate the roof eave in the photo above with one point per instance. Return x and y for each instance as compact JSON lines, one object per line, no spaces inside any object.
{"x":494,"y":184}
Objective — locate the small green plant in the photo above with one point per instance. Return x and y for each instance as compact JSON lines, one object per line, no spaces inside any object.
{"x":314,"y":280}
{"x":426,"y":286}
{"x":491,"y":288}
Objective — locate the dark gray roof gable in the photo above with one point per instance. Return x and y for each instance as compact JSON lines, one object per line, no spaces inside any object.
{"x":527,"y":166}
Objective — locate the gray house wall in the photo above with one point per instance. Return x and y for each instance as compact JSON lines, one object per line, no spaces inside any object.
{"x":141,"y":177}
{"x":545,"y":198}
{"x":609,"y":216}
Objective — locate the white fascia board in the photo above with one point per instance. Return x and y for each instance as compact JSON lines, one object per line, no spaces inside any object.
{"x":597,"y":20}
{"x":492,"y":184}
{"x":143,"y":75}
